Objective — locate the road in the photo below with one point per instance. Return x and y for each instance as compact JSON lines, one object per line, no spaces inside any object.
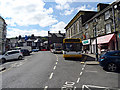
{"x":47,"y":70}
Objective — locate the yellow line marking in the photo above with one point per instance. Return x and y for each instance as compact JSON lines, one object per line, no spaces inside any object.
{"x":5,"y":70}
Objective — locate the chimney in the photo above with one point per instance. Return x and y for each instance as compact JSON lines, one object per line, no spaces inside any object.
{"x":101,"y":6}
{"x":59,"y":32}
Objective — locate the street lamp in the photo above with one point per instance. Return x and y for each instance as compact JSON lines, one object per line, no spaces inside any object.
{"x":95,"y":24}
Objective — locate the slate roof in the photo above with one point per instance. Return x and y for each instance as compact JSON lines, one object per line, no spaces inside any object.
{"x":56,"y":34}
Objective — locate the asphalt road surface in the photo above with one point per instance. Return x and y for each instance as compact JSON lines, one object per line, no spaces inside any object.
{"x":47,"y":70}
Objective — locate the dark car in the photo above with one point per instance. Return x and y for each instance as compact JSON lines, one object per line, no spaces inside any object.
{"x":25,"y":52}
{"x":110,"y":60}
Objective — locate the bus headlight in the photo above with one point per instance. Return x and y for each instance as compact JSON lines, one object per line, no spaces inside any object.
{"x":64,"y":52}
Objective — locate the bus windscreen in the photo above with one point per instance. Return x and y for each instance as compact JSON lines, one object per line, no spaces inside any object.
{"x":72,"y":47}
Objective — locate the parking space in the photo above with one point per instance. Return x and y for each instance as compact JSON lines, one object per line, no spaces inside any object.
{"x":94,"y":76}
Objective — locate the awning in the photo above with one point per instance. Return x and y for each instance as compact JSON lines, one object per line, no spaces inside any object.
{"x":103,"y":39}
{"x":86,"y":42}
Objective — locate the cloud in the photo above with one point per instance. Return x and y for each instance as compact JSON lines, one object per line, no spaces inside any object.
{"x":68,"y":12}
{"x":86,"y":8}
{"x":64,"y":1}
{"x":26,"y":12}
{"x":63,"y":4}
{"x":58,"y":27}
{"x":18,"y":32}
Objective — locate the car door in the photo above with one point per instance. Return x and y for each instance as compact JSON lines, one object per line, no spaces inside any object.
{"x":8,"y":56}
{"x":15,"y":55}
{"x":116,"y":57}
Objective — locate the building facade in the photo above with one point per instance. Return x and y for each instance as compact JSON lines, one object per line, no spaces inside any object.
{"x":55,"y":38}
{"x":3,"y":32}
{"x":103,"y":25}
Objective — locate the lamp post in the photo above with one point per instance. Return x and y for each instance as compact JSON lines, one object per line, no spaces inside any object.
{"x":95,"y":24}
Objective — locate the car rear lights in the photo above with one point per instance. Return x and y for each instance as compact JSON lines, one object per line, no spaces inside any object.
{"x":102,"y":58}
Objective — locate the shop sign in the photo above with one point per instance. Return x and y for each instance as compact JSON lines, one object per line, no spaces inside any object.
{"x":86,"y":42}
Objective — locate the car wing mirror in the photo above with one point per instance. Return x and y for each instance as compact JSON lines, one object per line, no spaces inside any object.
{"x":6,"y":54}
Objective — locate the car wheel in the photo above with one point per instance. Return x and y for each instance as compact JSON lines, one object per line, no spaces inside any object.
{"x":112,"y":67}
{"x":3,"y":60}
{"x":20,"y":57}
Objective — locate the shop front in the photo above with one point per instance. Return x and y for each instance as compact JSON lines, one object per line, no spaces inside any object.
{"x":86,"y":46}
{"x":105,"y":43}
{"x":119,"y":41}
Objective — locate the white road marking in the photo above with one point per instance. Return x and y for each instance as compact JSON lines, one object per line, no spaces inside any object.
{"x":51,"y":76}
{"x":54,"y":67}
{"x":56,"y":62}
{"x":111,"y":72}
{"x":45,"y":87}
{"x":86,"y":87}
{"x":78,"y":80}
{"x":96,"y":86}
{"x":81,"y":73}
{"x":91,"y":71}
{"x":57,"y":59}
{"x":75,"y":88}
{"x":82,"y":68}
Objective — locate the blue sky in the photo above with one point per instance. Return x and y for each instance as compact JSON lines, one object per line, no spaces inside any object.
{"x":26,"y":17}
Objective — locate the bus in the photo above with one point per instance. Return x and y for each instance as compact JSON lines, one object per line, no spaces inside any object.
{"x":72,"y":48}
{"x":56,"y":48}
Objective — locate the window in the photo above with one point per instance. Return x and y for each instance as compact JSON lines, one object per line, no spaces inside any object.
{"x":78,"y":26}
{"x":95,"y":32}
{"x":86,"y":34}
{"x":107,"y":15}
{"x":86,"y":26}
{"x":108,"y":28}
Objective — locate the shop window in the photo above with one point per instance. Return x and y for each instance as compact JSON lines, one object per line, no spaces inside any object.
{"x":107,"y":15}
{"x":104,"y":46}
{"x":108,"y":28}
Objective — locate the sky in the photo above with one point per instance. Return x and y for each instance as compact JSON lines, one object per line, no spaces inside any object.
{"x":26,"y":17}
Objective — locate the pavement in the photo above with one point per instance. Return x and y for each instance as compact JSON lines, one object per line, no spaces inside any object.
{"x":89,"y":59}
{"x":2,"y":68}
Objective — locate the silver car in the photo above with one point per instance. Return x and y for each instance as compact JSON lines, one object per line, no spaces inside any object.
{"x":13,"y":54}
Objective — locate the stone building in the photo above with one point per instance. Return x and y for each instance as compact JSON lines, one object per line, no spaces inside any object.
{"x":55,"y":38}
{"x":74,"y":27}
{"x":105,"y":25}
{"x":3,"y":32}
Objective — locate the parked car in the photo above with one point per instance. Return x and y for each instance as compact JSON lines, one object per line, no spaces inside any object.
{"x":44,"y":50}
{"x":13,"y":54}
{"x":110,"y":60}
{"x":35,"y":50}
{"x":25,"y":52}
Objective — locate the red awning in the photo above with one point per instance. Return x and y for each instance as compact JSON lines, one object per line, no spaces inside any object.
{"x":103,"y":39}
